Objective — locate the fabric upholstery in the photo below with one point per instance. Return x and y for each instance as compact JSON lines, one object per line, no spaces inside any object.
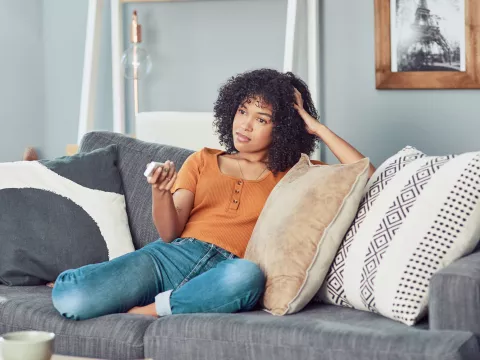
{"x":117,"y":336}
{"x":454,"y":302}
{"x":419,"y":214}
{"x":60,"y":214}
{"x":300,"y":228}
{"x":134,"y":155}
{"x":319,"y":332}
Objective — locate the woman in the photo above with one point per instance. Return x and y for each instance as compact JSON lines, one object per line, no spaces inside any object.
{"x":205,"y":215}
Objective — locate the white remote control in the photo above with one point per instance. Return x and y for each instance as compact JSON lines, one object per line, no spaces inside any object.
{"x":152,"y":167}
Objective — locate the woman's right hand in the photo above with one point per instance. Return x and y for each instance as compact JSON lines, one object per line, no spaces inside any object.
{"x":164,"y":177}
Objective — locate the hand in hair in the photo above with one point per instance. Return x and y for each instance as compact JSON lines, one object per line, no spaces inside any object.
{"x":311,"y":124}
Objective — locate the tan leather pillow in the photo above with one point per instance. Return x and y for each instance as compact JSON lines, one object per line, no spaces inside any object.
{"x":301,"y":227}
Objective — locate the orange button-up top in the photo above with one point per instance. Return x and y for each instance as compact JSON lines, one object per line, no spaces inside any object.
{"x":225,"y":208}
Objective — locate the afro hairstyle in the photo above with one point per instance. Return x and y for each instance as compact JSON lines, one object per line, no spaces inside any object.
{"x":289,"y":137}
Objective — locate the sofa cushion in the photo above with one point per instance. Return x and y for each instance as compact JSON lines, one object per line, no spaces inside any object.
{"x":318,"y":332}
{"x":133,"y":157}
{"x":118,"y":336}
{"x":60,"y":214}
{"x":419,"y":214}
{"x":300,"y":228}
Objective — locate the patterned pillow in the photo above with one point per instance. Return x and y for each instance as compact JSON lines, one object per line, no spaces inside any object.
{"x":418,"y":214}
{"x":60,"y":214}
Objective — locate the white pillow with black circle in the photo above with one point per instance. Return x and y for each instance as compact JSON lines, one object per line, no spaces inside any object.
{"x":60,"y":214}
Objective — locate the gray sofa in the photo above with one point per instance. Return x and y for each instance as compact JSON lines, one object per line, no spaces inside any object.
{"x":320,"y":331}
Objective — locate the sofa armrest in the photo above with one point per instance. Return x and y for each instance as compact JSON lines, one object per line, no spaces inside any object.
{"x":454,"y":299}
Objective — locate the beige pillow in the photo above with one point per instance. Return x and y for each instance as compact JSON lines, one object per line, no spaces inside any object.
{"x":301,"y":227}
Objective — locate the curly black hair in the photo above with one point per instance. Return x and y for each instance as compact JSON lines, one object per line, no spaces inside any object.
{"x":289,"y":136}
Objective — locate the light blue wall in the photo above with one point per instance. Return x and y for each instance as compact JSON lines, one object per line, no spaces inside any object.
{"x":22,"y":81}
{"x":64,"y":27}
{"x":381,"y":122}
{"x":196,"y":46}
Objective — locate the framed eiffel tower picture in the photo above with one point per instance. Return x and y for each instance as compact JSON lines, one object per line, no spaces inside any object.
{"x":427,"y":44}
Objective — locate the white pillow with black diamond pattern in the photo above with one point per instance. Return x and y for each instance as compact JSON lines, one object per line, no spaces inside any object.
{"x":418,"y":214}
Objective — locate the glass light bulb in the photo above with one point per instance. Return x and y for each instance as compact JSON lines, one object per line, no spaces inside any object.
{"x":136,"y":62}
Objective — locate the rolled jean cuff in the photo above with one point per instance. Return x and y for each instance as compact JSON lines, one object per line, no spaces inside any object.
{"x":162,"y":303}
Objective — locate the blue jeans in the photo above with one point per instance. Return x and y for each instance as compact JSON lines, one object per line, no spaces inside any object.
{"x":185,"y":276}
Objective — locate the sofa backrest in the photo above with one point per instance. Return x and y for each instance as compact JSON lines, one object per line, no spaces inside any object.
{"x":134,"y":155}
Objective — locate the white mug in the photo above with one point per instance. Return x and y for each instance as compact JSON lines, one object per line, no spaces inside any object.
{"x":26,"y":345}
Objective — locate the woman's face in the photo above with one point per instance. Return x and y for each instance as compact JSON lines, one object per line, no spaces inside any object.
{"x":252,"y":126}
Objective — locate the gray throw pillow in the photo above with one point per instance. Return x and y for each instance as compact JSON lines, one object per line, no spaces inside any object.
{"x":60,"y":214}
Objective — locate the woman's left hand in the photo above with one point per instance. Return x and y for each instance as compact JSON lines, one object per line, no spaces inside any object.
{"x":144,"y":310}
{"x":311,"y":124}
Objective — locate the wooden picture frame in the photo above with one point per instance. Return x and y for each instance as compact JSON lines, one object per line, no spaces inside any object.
{"x":386,"y":79}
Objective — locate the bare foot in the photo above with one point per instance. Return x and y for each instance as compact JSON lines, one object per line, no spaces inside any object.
{"x":51,"y":284}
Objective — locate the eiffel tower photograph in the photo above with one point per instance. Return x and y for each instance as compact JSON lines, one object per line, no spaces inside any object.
{"x":428,"y":35}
